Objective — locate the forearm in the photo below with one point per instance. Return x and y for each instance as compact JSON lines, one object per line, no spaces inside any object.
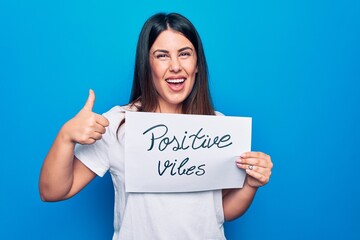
{"x":237,"y":201}
{"x":57,"y":172}
{"x":62,"y":174}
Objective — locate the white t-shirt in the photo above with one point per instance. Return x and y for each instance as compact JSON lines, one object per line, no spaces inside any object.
{"x":168,"y":216}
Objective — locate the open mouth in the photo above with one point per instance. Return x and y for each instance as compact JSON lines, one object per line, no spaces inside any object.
{"x":175,"y":81}
{"x":176,"y":84}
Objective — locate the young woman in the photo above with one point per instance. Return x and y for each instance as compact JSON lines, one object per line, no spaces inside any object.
{"x":170,"y":77}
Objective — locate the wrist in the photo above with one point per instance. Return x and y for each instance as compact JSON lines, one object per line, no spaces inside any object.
{"x":250,"y":187}
{"x":65,"y":136}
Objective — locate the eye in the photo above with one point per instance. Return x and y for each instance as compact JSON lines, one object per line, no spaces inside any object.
{"x":185,"y":54}
{"x":162,"y":56}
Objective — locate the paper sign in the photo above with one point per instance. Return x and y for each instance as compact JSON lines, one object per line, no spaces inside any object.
{"x":183,"y":152}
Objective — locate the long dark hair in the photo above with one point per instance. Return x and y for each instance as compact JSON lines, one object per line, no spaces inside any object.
{"x":143,"y":89}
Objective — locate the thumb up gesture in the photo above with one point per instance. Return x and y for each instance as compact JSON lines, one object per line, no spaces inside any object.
{"x":86,"y":127}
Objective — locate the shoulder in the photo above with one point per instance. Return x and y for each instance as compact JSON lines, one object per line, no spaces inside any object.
{"x":217,"y":113}
{"x":117,"y":114}
{"x":114,"y":113}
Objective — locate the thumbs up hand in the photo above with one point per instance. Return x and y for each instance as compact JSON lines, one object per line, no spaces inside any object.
{"x":86,"y":127}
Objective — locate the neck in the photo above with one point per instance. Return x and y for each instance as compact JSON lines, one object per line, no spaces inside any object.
{"x":161,"y":108}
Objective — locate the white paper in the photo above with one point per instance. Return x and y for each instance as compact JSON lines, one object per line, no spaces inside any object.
{"x":184,"y":153}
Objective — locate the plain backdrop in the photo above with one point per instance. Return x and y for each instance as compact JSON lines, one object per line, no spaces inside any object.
{"x":293,"y":66}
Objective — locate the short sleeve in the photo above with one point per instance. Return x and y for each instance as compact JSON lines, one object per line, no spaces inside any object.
{"x":96,"y":156}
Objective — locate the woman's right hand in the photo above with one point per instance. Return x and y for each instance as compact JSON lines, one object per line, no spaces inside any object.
{"x":86,"y":127}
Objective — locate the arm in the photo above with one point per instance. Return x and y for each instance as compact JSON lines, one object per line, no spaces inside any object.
{"x":62,"y":174}
{"x":237,"y":201}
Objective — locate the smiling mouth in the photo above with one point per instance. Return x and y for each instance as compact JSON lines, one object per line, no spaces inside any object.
{"x":175,"y":81}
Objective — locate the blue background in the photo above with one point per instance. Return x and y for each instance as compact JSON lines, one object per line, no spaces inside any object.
{"x":291,"y":65}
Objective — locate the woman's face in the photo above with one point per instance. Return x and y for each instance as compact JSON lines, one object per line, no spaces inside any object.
{"x":173,"y":65}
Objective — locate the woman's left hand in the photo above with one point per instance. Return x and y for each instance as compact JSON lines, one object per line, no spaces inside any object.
{"x":258,"y":166}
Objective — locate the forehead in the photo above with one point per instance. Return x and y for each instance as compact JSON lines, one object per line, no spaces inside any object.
{"x":171,"y":40}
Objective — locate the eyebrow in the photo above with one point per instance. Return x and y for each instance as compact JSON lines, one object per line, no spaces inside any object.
{"x":166,"y":51}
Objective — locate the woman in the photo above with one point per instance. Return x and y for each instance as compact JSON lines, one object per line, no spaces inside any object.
{"x":170,"y":77}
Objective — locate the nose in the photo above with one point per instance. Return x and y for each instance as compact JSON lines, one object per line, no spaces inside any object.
{"x":175,"y":65}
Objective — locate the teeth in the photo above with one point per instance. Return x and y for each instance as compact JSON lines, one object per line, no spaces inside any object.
{"x":181,"y":80}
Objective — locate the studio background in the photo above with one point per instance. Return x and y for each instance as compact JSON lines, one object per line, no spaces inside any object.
{"x":293,"y":66}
